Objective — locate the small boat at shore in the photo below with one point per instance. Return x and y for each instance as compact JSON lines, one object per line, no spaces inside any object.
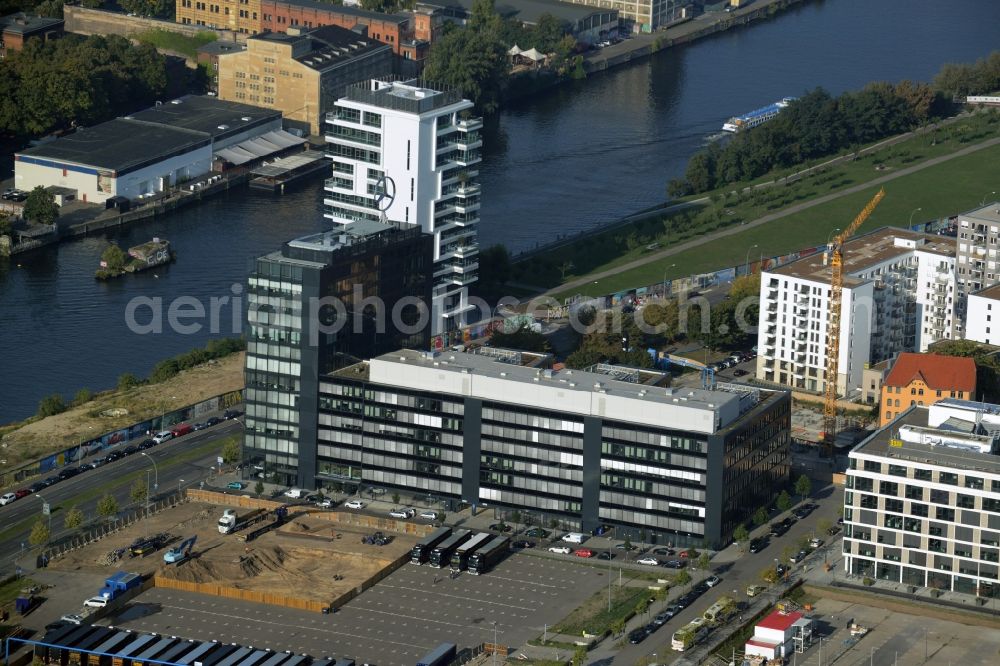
{"x":139,"y":258}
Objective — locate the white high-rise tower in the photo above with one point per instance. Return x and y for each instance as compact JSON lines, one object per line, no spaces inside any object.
{"x":408,"y":153}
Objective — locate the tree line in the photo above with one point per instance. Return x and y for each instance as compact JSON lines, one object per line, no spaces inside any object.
{"x":819,"y":124}
{"x":77,"y":81}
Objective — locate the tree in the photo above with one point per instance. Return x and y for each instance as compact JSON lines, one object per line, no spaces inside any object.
{"x":73,"y":518}
{"x":395,"y":498}
{"x":231,"y":451}
{"x":128,"y":381}
{"x":107,"y":506}
{"x":51,"y":405}
{"x":769,"y":575}
{"x":760,"y":516}
{"x":548,"y":32}
{"x":40,"y":206}
{"x":784,"y":502}
{"x":6,"y":225}
{"x":627,"y":544}
{"x":152,"y":8}
{"x":523,"y":338}
{"x":580,"y":656}
{"x":114,"y":258}
{"x":258,"y":487}
{"x":83,"y":396}
{"x":803,"y":487}
{"x":704,"y":561}
{"x":618,"y":627}
{"x":139,"y":491}
{"x":740,"y":534}
{"x":682,"y":577}
{"x":39,"y":533}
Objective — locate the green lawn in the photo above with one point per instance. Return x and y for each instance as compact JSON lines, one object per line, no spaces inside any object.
{"x":593,"y":616}
{"x":173,"y":41}
{"x":939,"y":191}
{"x":605,"y":250}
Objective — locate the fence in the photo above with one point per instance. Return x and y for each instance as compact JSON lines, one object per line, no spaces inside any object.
{"x":228,"y":592}
{"x":122,"y":435}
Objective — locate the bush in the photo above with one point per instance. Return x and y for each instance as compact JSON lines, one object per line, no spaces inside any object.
{"x":51,"y":405}
{"x":83,"y":396}
{"x":128,"y":381}
{"x":868,"y":581}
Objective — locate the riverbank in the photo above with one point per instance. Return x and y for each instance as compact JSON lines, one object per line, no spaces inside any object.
{"x":650,"y":247}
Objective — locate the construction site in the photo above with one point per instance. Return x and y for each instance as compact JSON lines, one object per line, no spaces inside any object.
{"x":300,"y":557}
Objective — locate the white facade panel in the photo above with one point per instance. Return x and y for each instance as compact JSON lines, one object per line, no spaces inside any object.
{"x":980,"y":322}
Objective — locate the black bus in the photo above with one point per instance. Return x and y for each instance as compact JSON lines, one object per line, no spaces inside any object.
{"x":440,"y":656}
{"x":465,"y":551}
{"x":487,"y":557}
{"x":422,"y":550}
{"x":441,"y":554}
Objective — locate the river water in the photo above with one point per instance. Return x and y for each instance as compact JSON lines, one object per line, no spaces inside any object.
{"x":569,"y":160}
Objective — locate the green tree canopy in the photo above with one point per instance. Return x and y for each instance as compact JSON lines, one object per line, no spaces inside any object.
{"x":760,"y":516}
{"x":83,"y":396}
{"x":803,"y":486}
{"x":231,"y":451}
{"x":40,"y":206}
{"x":139,"y":492}
{"x":114,"y":258}
{"x":740,"y":534}
{"x":152,"y":8}
{"x":523,"y":338}
{"x":73,"y":518}
{"x":128,"y":381}
{"x":682,"y":577}
{"x":6,"y":224}
{"x":107,"y":506}
{"x":784,"y":502}
{"x":51,"y":405}
{"x":39,"y":533}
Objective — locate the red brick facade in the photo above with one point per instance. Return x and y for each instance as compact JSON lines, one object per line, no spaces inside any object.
{"x":279,"y":16}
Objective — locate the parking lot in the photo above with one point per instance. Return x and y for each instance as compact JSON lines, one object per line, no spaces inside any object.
{"x":394,"y":623}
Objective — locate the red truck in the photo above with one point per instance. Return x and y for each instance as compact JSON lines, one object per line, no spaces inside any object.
{"x":181,"y":429}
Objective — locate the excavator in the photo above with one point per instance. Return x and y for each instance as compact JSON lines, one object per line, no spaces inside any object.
{"x":181,"y":552}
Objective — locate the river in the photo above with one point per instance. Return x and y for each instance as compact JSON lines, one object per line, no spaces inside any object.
{"x":564,"y":162}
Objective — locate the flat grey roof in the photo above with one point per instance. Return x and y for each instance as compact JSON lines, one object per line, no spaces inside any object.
{"x":221,"y":47}
{"x":356,"y":12}
{"x":26,"y":24}
{"x":879,"y":444}
{"x":334,"y":239}
{"x":118,"y":145}
{"x":989,"y":214}
{"x":203,"y":113}
{"x":528,"y":11}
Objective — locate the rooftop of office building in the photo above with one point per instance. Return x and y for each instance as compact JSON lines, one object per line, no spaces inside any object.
{"x":614,"y":392}
{"x":867,"y":251}
{"x":319,"y":249}
{"x":960,"y":434}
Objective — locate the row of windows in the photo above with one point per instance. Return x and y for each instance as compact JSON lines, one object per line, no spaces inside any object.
{"x":279,"y":398}
{"x":517,"y":417}
{"x":354,"y":153}
{"x":270,"y":334}
{"x":268,"y":380}
{"x":272,"y":350}
{"x":680,"y":442}
{"x":272,"y":365}
{"x":967,"y":480}
{"x":538,"y":437}
{"x":651,"y":488}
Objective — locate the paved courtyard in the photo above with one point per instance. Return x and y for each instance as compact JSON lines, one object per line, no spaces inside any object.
{"x":394,"y":623}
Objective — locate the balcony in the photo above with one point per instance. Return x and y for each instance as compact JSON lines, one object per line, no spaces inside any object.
{"x":463,"y":279}
{"x":459,"y":219}
{"x":469,"y":124}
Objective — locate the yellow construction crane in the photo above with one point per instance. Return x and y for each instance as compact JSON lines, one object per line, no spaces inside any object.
{"x":836,"y":257}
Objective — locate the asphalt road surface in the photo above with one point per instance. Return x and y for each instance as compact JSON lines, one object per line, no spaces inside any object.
{"x":171,"y":473}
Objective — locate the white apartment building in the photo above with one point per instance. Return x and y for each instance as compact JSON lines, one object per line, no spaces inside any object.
{"x":982,"y":307}
{"x":423,"y":147}
{"x":922,"y":504}
{"x":898,"y":296}
{"x":977,"y":261}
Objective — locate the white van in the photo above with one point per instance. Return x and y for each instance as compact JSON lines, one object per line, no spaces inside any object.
{"x":574,"y":537}
{"x":295,"y":493}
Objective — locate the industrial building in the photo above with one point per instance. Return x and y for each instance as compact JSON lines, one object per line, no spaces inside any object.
{"x":153,"y":150}
{"x":898,"y":294}
{"x":301,"y":73}
{"x":411,"y":152}
{"x":611,"y":445}
{"x":312,"y":304}
{"x":922,"y":500}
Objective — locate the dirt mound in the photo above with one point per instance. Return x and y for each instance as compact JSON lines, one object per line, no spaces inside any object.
{"x":256,"y":562}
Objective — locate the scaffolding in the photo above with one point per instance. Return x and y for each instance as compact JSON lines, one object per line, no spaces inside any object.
{"x":510,"y":356}
{"x":620,"y":372}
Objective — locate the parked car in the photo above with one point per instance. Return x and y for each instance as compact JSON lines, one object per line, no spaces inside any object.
{"x":757,"y":545}
{"x":523,"y":544}
{"x":7,"y":498}
{"x":211,"y":421}
{"x":236,"y":485}
{"x":781,"y":569}
{"x":601,"y":529}
{"x":537,"y":533}
{"x":684,"y":553}
{"x":231,"y":414}
{"x":402,"y":513}
{"x":739,"y":372}
{"x":163,"y":436}
{"x":804,"y":510}
{"x":651,"y":561}
{"x":50,"y":481}
{"x":36,"y":486}
{"x":638,"y":635}
{"x":501,"y":527}
{"x":621,"y":546}
{"x":562,"y":550}
{"x":325,"y":503}
{"x":584,"y":552}
{"x":665,"y":552}
{"x":57,"y":625}
{"x":833,"y":530}
{"x":23,"y":492}
{"x":199,"y":426}
{"x":754,"y":590}
{"x":798,"y":557}
{"x":295,"y":493}
{"x":605,"y":555}
{"x":68,"y":473}
{"x":96,"y":602}
{"x":674,"y":564}
{"x":712,"y":581}
{"x":429,"y":515}
{"x":355,"y":504}
{"x":815,"y":543}
{"x":71,"y":618}
{"x":146,"y":444}
{"x":181,"y":429}
{"x":129,"y":450}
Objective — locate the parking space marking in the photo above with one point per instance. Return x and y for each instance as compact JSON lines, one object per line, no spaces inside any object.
{"x":425,"y":619}
{"x":455,"y":596}
{"x":516,"y":580}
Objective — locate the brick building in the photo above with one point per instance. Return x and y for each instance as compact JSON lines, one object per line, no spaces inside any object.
{"x":16,"y":29}
{"x":923,"y":379}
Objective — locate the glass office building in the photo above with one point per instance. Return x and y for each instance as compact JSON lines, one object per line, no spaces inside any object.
{"x":613,"y":446}
{"x":323,"y":301}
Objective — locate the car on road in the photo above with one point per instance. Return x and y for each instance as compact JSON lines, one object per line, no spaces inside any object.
{"x":163,"y":436}
{"x":757,"y":545}
{"x":537,"y":533}
{"x":754,"y":590}
{"x":231,"y":414}
{"x":798,"y":557}
{"x":7,"y":498}
{"x":815,"y":543}
{"x":23,"y":492}
{"x":833,"y":531}
{"x":145,"y":444}
{"x":674,"y":564}
{"x":71,"y":618}
{"x":638,"y":635}
{"x":199,"y":426}
{"x":523,"y":544}
{"x":621,"y":546}
{"x":36,"y":487}
{"x":212,"y":420}
{"x":355,"y":504}
{"x":501,"y":527}
{"x":803,"y":511}
{"x":712,"y":581}
{"x":650,"y":561}
{"x":325,"y":503}
{"x":429,"y":515}
{"x":130,"y":450}
{"x":562,"y":550}
{"x":605,"y":555}
{"x":236,"y":485}
{"x":96,"y":602}
{"x":584,"y":552}
{"x":403,"y":513}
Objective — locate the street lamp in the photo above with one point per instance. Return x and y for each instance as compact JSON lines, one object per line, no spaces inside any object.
{"x":983,"y":202}
{"x":830,"y":235}
{"x":494,"y":643}
{"x":746,"y":268}
{"x":910,"y":221}
{"x":156,"y":472}
{"x":671,"y":266}
{"x":179,"y":482}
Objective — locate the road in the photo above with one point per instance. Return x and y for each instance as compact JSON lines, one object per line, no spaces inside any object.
{"x":737,"y":571}
{"x":181,"y":462}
